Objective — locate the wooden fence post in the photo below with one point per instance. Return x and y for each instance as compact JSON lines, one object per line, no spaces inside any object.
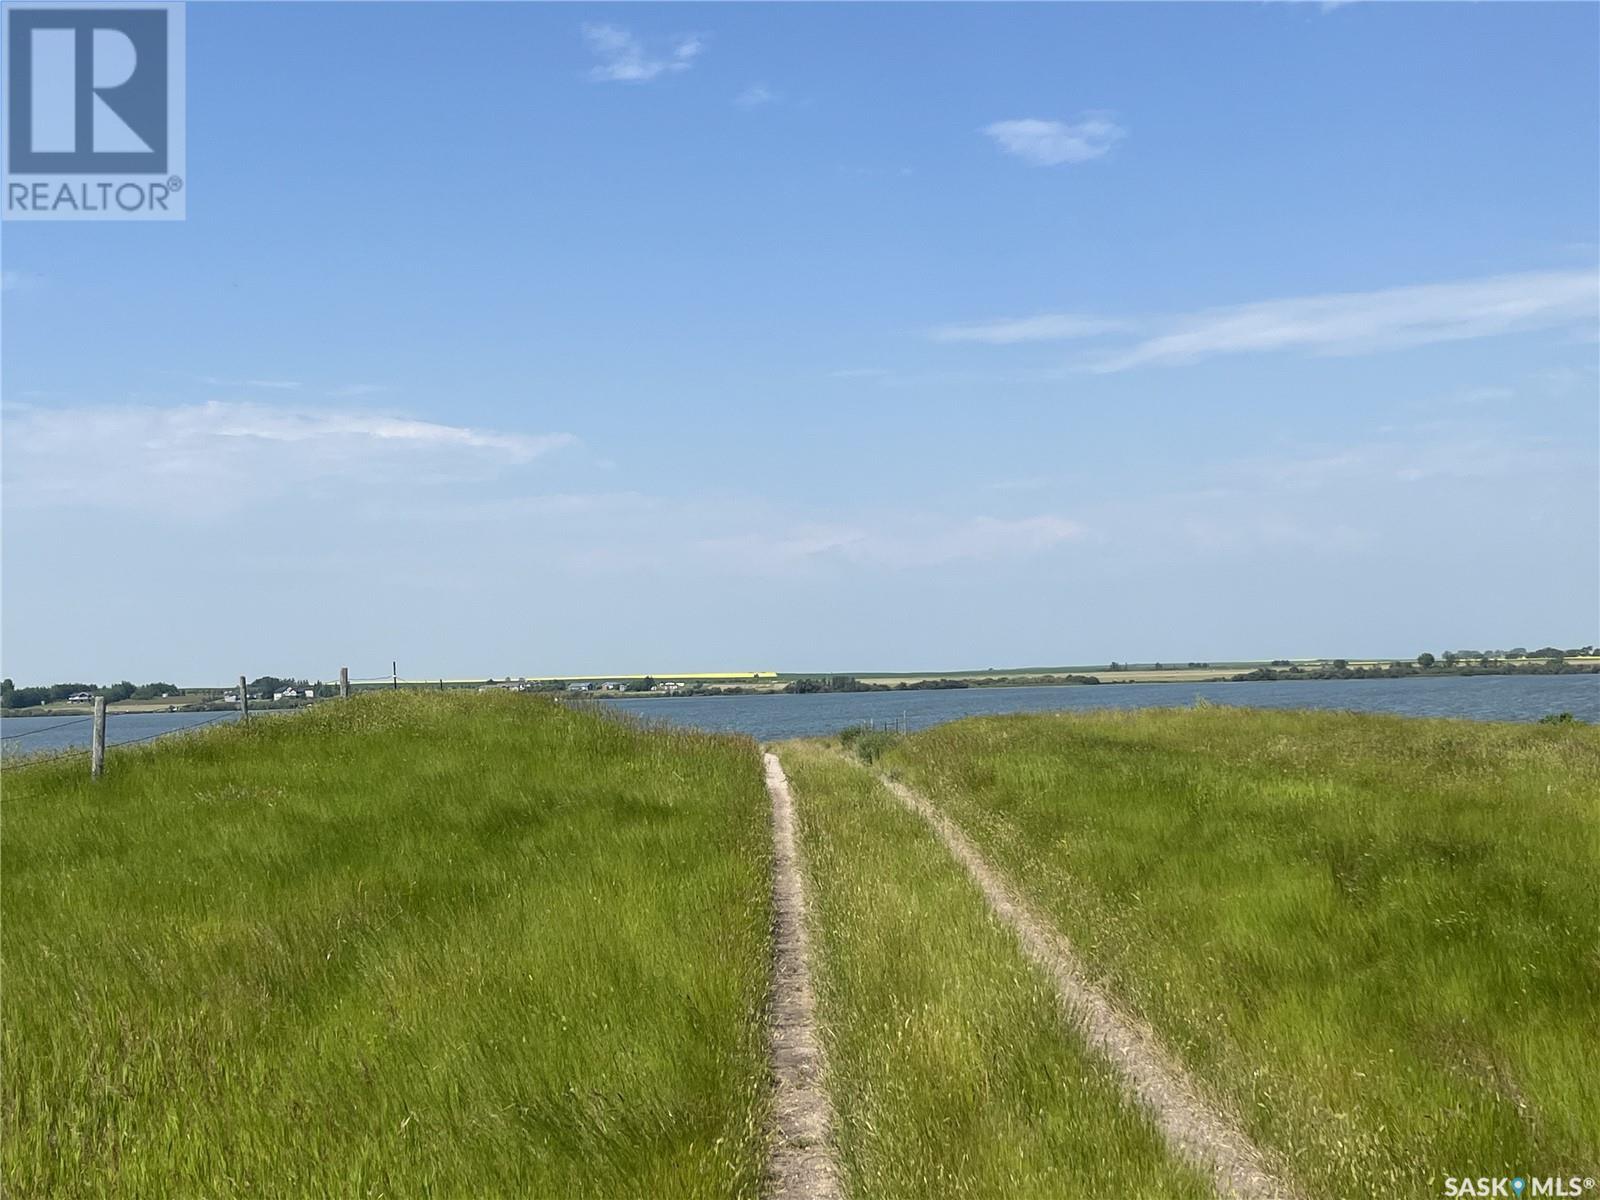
{"x":97,"y":745}
{"x":344,"y":683}
{"x":244,"y":701}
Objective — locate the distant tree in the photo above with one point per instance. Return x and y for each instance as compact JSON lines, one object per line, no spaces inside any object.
{"x":1341,"y":664}
{"x":1451,"y":658}
{"x":7,"y":690}
{"x":1115,"y":666}
{"x":641,"y":685}
{"x":1425,"y":660}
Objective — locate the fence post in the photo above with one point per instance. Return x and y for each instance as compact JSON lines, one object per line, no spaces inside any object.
{"x":344,"y":683}
{"x":97,"y":745}
{"x":244,"y":701}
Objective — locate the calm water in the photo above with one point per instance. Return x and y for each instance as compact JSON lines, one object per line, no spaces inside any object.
{"x":33,"y":735}
{"x":1481,"y":698}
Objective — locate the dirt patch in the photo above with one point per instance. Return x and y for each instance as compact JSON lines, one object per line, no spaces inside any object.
{"x":800,"y":1161}
{"x":1195,"y":1131}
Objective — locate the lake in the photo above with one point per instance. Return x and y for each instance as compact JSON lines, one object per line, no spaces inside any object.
{"x":1477,"y":697}
{"x":34,"y":735}
{"x":772,"y":717}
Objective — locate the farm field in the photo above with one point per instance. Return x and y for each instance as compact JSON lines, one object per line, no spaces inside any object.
{"x":948,"y":1063}
{"x":411,"y":945}
{"x":1371,"y":938}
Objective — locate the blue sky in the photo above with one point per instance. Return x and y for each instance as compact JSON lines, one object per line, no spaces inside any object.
{"x":514,"y":339}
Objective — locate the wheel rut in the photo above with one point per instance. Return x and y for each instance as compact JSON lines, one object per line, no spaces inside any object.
{"x":1195,"y":1131}
{"x":801,"y":1163}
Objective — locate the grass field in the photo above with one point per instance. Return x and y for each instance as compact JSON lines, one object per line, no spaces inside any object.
{"x":413,"y":945}
{"x":1372,"y":938}
{"x":948,"y":1063}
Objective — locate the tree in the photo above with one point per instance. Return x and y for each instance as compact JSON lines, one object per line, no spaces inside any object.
{"x":1341,"y":664}
{"x":641,"y":685}
{"x":1425,"y":660}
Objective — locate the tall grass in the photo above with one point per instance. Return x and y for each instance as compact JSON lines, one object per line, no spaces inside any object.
{"x":1373,"y":937}
{"x":409,"y":945}
{"x":948,"y":1059}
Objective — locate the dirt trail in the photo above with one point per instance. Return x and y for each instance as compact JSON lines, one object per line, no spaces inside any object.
{"x":800,"y":1162}
{"x":1195,"y":1131}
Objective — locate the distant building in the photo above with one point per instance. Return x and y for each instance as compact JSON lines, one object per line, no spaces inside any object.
{"x":79,"y":698}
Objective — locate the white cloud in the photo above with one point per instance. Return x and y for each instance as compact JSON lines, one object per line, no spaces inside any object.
{"x":1047,"y":327}
{"x":350,"y":391}
{"x":125,"y":454}
{"x":1364,"y":322}
{"x":624,"y":57}
{"x":1051,"y":143}
{"x":755,"y":96}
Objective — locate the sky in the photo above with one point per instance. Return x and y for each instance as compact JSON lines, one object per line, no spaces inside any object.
{"x":521,"y":340}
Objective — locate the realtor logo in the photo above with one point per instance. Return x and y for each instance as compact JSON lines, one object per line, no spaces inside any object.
{"x":94,"y":112}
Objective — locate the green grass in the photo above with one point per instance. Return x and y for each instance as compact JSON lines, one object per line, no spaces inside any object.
{"x":1374,"y":938}
{"x":950,"y":1066}
{"x":413,"y":945}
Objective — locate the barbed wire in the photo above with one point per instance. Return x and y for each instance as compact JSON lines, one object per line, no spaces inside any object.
{"x":30,"y":732}
{"x":72,"y":751}
{"x":173,"y":732}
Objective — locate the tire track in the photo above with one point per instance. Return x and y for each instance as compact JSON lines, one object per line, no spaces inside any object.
{"x":800,"y":1160}
{"x":1195,"y":1131}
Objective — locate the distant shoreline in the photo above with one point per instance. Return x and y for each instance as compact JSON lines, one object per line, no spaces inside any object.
{"x":790,"y":683}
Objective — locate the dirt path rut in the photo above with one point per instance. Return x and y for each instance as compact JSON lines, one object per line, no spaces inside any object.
{"x":800,"y":1161}
{"x":1194,"y":1130}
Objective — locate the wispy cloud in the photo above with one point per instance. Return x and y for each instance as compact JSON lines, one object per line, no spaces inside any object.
{"x":350,"y":391}
{"x":1051,"y":143}
{"x":80,"y":454}
{"x":15,"y":281}
{"x":755,"y":96}
{"x":1341,"y":323}
{"x":1046,"y":327}
{"x":625,"y":58}
{"x":270,"y":385}
{"x":1364,"y":322}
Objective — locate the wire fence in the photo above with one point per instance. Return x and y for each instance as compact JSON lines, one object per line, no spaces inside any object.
{"x":65,"y":752}
{"x":11,"y":737}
